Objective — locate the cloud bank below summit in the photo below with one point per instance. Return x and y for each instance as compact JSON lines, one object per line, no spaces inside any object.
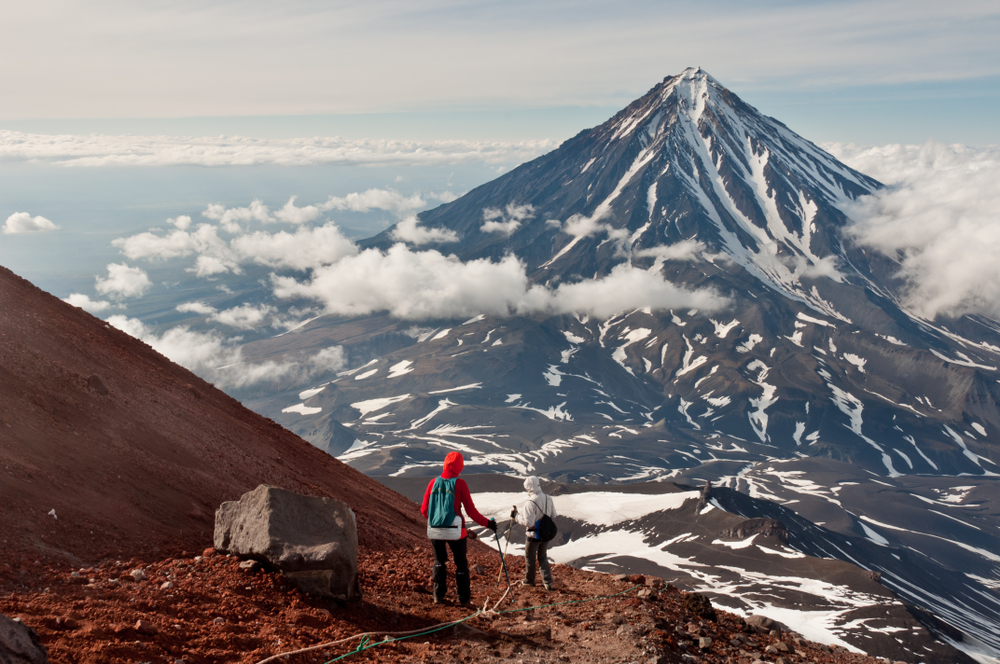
{"x":941,"y":212}
{"x":938,"y":212}
{"x":315,"y":263}
{"x":319,"y":263}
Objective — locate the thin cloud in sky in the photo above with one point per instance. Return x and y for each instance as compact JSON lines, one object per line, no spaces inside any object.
{"x":256,"y":58}
{"x":97,"y":150}
{"x":218,"y":359}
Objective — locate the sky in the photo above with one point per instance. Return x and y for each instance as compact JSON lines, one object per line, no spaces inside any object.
{"x":133,"y":135}
{"x":870,"y":71}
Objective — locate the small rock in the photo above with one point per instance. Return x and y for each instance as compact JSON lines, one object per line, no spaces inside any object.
{"x":167,"y":585}
{"x":784,"y":647}
{"x":250,"y":566}
{"x":620,"y":577}
{"x":735,"y":643}
{"x":138,"y":575}
{"x":208,"y":553}
{"x":700,"y":605}
{"x":146,"y":627}
{"x":477,"y":570}
{"x":644,"y":593}
{"x":219,"y":621}
{"x":704,"y":642}
{"x":65,"y":623}
{"x":771,"y":650}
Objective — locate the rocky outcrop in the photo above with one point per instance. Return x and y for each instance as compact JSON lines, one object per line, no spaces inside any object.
{"x":750,"y":527}
{"x":19,"y":644}
{"x":312,"y":540}
{"x":765,"y":624}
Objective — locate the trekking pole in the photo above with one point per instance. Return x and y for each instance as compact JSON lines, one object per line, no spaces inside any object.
{"x":513,"y":517}
{"x":504,"y":563}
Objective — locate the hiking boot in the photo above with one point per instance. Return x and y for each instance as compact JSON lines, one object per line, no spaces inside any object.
{"x":439,"y":600}
{"x":525,"y":582}
{"x":548,"y":586}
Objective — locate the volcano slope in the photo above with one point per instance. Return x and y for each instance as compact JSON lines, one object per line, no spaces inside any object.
{"x":111,"y":450}
{"x":804,"y":377}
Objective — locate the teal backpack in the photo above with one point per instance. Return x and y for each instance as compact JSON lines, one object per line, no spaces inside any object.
{"x":441,"y":506}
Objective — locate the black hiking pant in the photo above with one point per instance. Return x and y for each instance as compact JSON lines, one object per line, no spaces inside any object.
{"x":459,"y":550}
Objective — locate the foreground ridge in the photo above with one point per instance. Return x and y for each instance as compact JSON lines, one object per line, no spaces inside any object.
{"x":209,"y":608}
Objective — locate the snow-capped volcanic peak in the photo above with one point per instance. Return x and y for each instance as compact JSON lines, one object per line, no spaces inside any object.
{"x":701,"y":164}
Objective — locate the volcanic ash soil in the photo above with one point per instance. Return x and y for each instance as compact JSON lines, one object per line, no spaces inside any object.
{"x":208,"y":608}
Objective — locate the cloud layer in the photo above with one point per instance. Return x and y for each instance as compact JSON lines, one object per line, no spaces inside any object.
{"x":419,"y":285}
{"x":941,"y":211}
{"x":103,"y":150}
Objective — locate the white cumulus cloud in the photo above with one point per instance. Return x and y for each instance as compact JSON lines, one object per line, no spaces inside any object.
{"x":245,"y":317}
{"x":417,"y":285}
{"x":22,"y":222}
{"x":375,"y":199}
{"x":410,"y":230}
{"x":230,"y":218}
{"x":941,"y":213}
{"x":304,"y":249}
{"x":297,"y":215}
{"x":84,"y":302}
{"x":124,"y":281}
{"x":506,"y":221}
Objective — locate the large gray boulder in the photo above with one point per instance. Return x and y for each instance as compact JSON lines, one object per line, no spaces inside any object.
{"x":312,"y":541}
{"x":19,"y":644}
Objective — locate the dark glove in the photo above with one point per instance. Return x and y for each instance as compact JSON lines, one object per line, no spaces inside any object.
{"x":492,"y":525}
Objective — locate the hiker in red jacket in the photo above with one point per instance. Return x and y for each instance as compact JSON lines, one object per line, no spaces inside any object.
{"x":444,"y":499}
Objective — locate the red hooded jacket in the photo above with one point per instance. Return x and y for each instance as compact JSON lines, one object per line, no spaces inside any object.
{"x":453,"y":464}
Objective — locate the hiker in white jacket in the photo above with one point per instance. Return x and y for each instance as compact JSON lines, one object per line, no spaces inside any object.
{"x":537,"y":504}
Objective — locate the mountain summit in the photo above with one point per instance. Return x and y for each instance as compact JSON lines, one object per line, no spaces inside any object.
{"x":688,"y":161}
